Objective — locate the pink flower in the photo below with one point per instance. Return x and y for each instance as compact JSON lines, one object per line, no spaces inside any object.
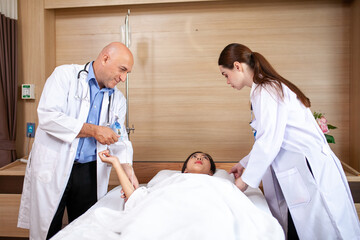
{"x":323,"y":124}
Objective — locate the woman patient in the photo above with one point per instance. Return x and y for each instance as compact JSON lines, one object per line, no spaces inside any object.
{"x":174,"y":205}
{"x":197,"y":162}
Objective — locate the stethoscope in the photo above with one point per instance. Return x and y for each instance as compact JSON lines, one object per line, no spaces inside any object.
{"x":77,"y":96}
{"x":83,"y":70}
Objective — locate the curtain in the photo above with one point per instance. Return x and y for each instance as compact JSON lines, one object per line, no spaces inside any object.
{"x":8,"y":80}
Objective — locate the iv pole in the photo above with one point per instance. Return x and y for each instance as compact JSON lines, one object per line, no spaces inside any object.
{"x":127,"y":44}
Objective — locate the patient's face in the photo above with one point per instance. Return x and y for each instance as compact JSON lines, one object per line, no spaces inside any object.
{"x":198,"y":163}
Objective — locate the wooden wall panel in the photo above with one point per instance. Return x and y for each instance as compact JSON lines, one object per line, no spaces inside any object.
{"x":30,"y":68}
{"x":354,"y":134}
{"x":53,"y":4}
{"x":179,"y":102}
{"x":36,"y":42}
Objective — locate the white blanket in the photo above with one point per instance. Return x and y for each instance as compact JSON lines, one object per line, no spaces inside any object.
{"x":183,"y":206}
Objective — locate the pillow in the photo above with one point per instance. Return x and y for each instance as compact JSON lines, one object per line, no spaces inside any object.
{"x":163,"y":174}
{"x":221,"y":173}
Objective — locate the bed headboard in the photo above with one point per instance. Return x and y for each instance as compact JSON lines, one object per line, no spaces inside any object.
{"x":145,"y":171}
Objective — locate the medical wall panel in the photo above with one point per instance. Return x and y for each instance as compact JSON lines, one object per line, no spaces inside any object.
{"x":179,"y":102}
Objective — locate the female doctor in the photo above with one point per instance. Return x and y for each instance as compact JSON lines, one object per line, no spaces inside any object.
{"x":79,"y":103}
{"x":302,"y":177}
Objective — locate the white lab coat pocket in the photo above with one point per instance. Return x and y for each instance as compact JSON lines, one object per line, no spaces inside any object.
{"x":43,"y":162}
{"x":293,"y":187}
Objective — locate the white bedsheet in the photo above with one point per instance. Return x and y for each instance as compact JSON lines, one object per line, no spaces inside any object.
{"x":183,"y":206}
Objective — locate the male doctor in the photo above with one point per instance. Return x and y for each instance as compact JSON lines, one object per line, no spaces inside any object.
{"x":81,"y":112}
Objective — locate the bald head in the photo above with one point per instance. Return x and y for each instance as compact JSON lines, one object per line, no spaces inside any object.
{"x":116,"y":48}
{"x":113,"y":63}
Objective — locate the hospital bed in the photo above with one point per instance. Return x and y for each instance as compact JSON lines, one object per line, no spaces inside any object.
{"x":110,"y":211}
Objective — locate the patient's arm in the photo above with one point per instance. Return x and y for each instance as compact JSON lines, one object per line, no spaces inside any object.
{"x":127,"y":187}
{"x":241,"y":184}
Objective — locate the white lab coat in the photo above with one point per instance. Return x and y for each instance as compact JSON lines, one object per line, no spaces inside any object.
{"x":62,"y":111}
{"x":288,"y":139}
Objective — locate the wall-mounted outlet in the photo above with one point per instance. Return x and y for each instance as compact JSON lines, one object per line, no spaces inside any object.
{"x":30,"y":130}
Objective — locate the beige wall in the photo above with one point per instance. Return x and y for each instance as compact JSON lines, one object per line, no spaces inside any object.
{"x":179,"y":102}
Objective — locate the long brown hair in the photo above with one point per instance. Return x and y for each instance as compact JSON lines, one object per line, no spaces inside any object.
{"x":264,"y":73}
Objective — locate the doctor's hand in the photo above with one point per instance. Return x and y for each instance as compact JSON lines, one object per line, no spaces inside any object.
{"x":241,"y":184}
{"x":237,"y":170}
{"x":105,"y":135}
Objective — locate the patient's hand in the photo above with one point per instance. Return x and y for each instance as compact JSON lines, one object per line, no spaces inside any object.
{"x":237,"y":170}
{"x":122,"y":172}
{"x":241,"y":184}
{"x":107,"y":158}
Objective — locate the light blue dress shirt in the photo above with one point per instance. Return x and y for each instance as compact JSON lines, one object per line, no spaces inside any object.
{"x":86,"y":151}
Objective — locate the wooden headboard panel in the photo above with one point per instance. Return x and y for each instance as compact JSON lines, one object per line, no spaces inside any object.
{"x":146,"y":170}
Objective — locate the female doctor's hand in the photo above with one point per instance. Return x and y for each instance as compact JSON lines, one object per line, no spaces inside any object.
{"x":237,"y":170}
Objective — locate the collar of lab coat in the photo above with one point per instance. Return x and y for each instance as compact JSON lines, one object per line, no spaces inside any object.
{"x":253,"y":86}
